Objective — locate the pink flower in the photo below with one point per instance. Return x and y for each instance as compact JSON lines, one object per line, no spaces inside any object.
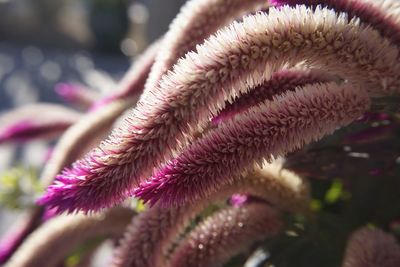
{"x":236,"y":59}
{"x":279,"y":83}
{"x":154,"y":232}
{"x":76,"y":94}
{"x":269,"y":130}
{"x":38,"y":121}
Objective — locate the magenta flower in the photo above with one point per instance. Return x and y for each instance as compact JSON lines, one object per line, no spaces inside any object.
{"x":280,"y":82}
{"x":202,"y":81}
{"x":35,"y":122}
{"x":81,"y":137}
{"x":153,"y":233}
{"x":269,"y":130}
{"x":76,"y":94}
{"x":94,"y":126}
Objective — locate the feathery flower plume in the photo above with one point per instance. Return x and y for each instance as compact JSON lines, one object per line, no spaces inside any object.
{"x":368,"y":13}
{"x":196,"y":21}
{"x":225,"y":234}
{"x":95,"y":126}
{"x":280,"y":82}
{"x":81,"y":137}
{"x":55,"y":239}
{"x":269,"y":130}
{"x":237,"y":58}
{"x":152,"y":233}
{"x":36,"y":121}
{"x":279,"y":187}
{"x":76,"y":94}
{"x":372,"y":248}
{"x":145,"y":235}
{"x":13,"y":239}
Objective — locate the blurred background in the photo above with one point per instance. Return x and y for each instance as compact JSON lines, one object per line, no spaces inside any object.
{"x":45,"y":41}
{"x":86,"y":42}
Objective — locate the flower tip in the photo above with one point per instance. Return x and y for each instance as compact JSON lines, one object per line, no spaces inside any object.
{"x":67,"y":91}
{"x":20,"y":131}
{"x":146,"y":193}
{"x":59,"y":197}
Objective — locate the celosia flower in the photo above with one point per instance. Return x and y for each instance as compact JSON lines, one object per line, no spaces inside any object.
{"x":94,"y":126}
{"x":225,"y":234}
{"x":152,"y":233}
{"x":240,"y":57}
{"x":280,"y":82}
{"x":36,"y":121}
{"x":278,"y":186}
{"x":146,"y":235}
{"x":76,"y":94}
{"x":269,"y":130}
{"x":55,"y":239}
{"x":372,"y":248}
{"x":196,"y":21}
{"x":13,"y":239}
{"x":369,"y":13}
{"x":81,"y":137}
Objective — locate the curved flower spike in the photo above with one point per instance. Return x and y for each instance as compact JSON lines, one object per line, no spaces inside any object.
{"x":196,"y":21}
{"x":13,"y":239}
{"x":279,"y":187}
{"x":81,"y":137}
{"x":36,"y":121}
{"x":76,"y":94}
{"x":152,"y":233}
{"x":280,"y":82}
{"x":368,"y":12}
{"x":237,"y":58}
{"x":55,"y":239}
{"x":269,"y":130}
{"x":225,"y":234}
{"x":372,"y":248}
{"x":94,"y":126}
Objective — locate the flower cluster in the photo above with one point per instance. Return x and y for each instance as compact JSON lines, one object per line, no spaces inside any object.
{"x":215,"y":106}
